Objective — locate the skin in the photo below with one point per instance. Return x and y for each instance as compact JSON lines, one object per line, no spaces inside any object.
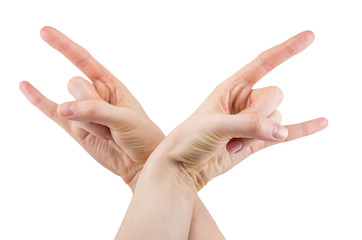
{"x":123,"y":150}
{"x":113,"y":127}
{"x":228,"y":127}
{"x":107,"y":107}
{"x":198,"y":144}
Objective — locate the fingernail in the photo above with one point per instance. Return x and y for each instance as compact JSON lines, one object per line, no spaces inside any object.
{"x":234,"y":146}
{"x":66,"y":109}
{"x":279,"y":132}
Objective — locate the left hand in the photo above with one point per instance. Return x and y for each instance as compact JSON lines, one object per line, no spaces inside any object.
{"x":108,"y":122}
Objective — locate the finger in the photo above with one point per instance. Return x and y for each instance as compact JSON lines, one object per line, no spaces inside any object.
{"x":264,"y":100}
{"x":48,"y":107}
{"x":236,"y":144}
{"x":273,"y":57}
{"x":81,"y":89}
{"x":96,"y":130}
{"x":80,"y":57}
{"x":276,"y":116}
{"x":97,"y":112}
{"x":303,"y":129}
{"x":295,"y":131}
{"x":252,"y":125}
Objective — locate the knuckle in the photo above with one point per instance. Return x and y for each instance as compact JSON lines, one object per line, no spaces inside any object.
{"x":278,"y":116}
{"x":37,"y":101}
{"x":256,"y":147}
{"x":92,"y":108}
{"x":256,"y":123}
{"x":277,"y":92}
{"x":264,"y":62}
{"x":62,"y":46}
{"x":289,"y":49}
{"x":305,"y":129}
{"x":53,"y":114}
{"x":252,"y":149}
{"x":82,"y":63}
{"x":71,"y":82}
{"x":41,"y":103}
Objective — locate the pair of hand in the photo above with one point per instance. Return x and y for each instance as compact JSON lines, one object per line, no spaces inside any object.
{"x":231,"y":124}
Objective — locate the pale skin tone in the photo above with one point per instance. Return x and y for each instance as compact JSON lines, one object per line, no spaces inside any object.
{"x":125,"y":138}
{"x":196,"y":151}
{"x":106,"y":106}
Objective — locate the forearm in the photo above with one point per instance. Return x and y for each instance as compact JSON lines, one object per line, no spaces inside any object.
{"x":203,"y":225}
{"x":162,"y":205}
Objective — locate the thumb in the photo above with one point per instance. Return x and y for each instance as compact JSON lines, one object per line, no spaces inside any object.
{"x":253,"y":125}
{"x":97,"y":112}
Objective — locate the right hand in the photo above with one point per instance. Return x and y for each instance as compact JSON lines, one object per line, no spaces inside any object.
{"x":232,"y":123}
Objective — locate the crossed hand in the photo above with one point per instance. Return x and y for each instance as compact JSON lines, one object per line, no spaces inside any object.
{"x":234,"y":122}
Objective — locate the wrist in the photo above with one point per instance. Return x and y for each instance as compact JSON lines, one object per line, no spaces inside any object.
{"x":163,"y":168}
{"x":192,"y":176}
{"x":170,"y":167}
{"x":133,"y":182}
{"x":162,"y":203}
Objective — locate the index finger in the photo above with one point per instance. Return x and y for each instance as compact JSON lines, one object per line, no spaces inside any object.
{"x":79,"y":56}
{"x":273,"y":57}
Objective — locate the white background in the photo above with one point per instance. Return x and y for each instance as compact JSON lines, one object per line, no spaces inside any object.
{"x":171,"y":55}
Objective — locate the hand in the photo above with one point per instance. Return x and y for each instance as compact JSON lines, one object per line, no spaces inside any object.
{"x":236,"y":117}
{"x":108,"y":122}
{"x":123,"y":146}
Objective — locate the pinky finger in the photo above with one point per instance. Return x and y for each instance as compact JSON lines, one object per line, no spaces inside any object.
{"x":49,"y":108}
{"x":303,"y":129}
{"x":295,"y":131}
